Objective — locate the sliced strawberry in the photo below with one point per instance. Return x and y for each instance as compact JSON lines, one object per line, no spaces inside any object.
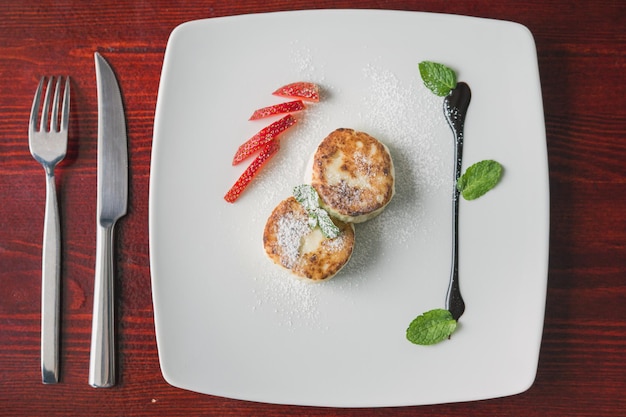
{"x":282,"y":108}
{"x":264,"y":136}
{"x":302,"y":90}
{"x":244,"y":180}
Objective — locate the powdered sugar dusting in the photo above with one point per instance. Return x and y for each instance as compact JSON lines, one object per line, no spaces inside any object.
{"x":293,"y":302}
{"x":406,"y":117}
{"x":336,"y":244}
{"x":290,"y":231}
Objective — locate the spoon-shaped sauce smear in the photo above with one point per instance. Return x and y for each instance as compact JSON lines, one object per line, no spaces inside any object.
{"x":455,"y":108}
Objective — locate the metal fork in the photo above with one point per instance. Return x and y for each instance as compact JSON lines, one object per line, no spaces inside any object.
{"x":48,"y":145}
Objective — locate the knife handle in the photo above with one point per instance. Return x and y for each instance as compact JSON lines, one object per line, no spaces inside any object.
{"x":102,"y":360}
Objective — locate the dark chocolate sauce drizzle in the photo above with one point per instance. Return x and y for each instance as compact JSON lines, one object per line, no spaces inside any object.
{"x":455,"y":108}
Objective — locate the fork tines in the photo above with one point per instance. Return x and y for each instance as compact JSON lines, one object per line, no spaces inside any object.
{"x":49,"y":121}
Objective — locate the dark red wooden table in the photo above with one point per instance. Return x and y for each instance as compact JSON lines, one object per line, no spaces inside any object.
{"x":582,"y":59}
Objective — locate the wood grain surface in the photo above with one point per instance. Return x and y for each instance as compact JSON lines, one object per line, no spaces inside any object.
{"x":581,"y":47}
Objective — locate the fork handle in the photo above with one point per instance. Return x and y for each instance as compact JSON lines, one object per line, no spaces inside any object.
{"x":50,"y":285}
{"x":102,"y":360}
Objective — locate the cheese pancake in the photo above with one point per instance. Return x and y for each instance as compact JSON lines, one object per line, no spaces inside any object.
{"x":291,"y":243}
{"x":353,"y":174}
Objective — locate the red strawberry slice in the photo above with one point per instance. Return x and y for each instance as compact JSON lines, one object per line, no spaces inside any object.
{"x":302,"y":90}
{"x":244,"y":180}
{"x":264,"y":136}
{"x":282,"y":108}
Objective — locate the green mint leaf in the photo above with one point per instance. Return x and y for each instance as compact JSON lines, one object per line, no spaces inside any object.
{"x":437,"y":77}
{"x":306,"y":195}
{"x":479,"y":178}
{"x":431,"y":327}
{"x":329,"y":229}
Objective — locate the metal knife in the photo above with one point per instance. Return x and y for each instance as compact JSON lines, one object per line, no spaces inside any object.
{"x":111,"y":205}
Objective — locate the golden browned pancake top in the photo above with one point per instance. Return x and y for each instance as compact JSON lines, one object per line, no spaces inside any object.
{"x":353,"y":174}
{"x":290,"y":242}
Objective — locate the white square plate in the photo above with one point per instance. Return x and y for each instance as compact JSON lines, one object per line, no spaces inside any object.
{"x":230,"y":323}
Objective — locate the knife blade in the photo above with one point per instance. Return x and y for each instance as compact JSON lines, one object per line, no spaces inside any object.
{"x":112,"y":203}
